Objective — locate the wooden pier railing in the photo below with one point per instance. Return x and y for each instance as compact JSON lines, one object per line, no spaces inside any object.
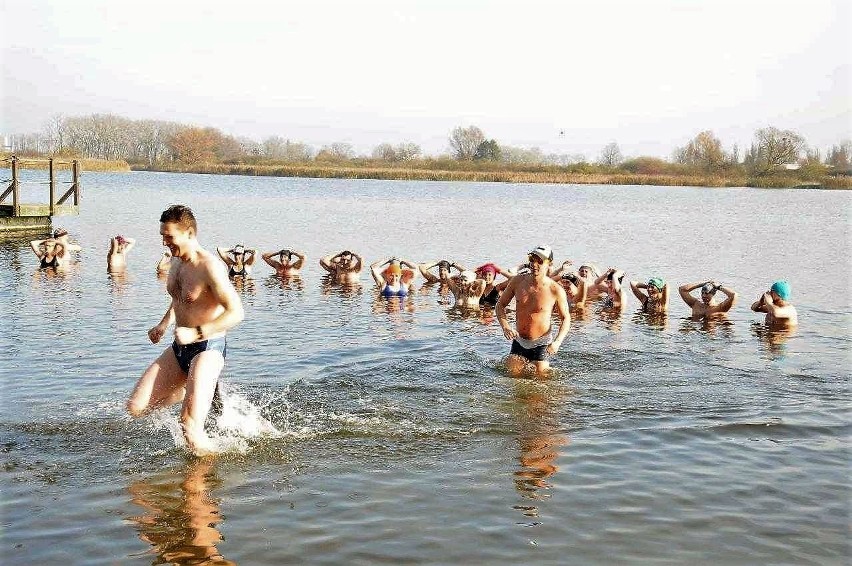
{"x":19,"y":215}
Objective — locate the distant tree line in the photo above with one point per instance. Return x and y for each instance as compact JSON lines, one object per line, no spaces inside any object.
{"x":155,"y":142}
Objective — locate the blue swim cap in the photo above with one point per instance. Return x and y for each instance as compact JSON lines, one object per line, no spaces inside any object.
{"x":782,"y":289}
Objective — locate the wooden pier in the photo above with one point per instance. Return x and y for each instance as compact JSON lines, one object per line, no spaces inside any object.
{"x":36,"y":216}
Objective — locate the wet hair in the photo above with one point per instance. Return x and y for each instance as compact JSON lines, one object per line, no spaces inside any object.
{"x":444,"y":264}
{"x":572,"y":277}
{"x":180,"y":215}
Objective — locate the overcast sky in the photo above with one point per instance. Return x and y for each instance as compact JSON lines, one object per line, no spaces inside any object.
{"x":647,"y":74}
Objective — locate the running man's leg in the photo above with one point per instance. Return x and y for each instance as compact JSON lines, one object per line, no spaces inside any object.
{"x":161,"y":385}
{"x":200,"y":387}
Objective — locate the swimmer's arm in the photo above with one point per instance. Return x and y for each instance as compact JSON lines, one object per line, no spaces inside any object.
{"x":505,"y":298}
{"x":564,"y":313}
{"x":408,"y":264}
{"x":113,"y":245}
{"x":617,"y":276}
{"x":223,"y":253}
{"x":504,"y":272}
{"x":730,"y":301}
{"x":760,"y":304}
{"x":555,"y":272}
{"x":637,"y":287}
{"x":301,"y":261}
{"x":325,"y":262}
{"x":226,"y":295}
{"x":459,"y":267}
{"x":478,"y":288}
{"x":502,"y":285}
{"x":271,"y":262}
{"x":424,"y":268}
{"x":130,"y":243}
{"x":359,"y":262}
{"x":35,"y":244}
{"x":252,"y":257}
{"x":584,"y":293}
{"x":666,"y":296}
{"x":377,"y":275}
{"x":686,"y":290}
{"x":165,"y":262}
{"x":771,"y":308}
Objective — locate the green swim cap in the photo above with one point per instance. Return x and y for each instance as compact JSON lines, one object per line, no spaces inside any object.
{"x":782,"y":289}
{"x":657,"y":282}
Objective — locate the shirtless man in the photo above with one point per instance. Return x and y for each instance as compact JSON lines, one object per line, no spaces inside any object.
{"x":344,"y":267}
{"x":706,"y":308}
{"x":780,"y":314}
{"x":535,"y":296}
{"x":466,"y":289}
{"x":204,"y":306}
{"x":285,"y":266}
{"x":119,"y":246}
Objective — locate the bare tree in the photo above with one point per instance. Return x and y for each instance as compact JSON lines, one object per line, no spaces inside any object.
{"x":611,"y":155}
{"x":704,"y":150}
{"x":465,"y":141}
{"x":773,"y":148}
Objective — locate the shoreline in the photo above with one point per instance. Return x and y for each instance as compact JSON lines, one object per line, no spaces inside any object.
{"x":498,"y":176}
{"x":546,"y":176}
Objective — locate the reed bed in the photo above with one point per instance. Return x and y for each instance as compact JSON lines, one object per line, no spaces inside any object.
{"x":550,"y":176}
{"x":64,"y":163}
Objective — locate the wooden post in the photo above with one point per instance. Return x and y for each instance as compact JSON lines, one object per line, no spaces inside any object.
{"x":16,"y":196}
{"x":75,"y":174}
{"x":52,"y":186}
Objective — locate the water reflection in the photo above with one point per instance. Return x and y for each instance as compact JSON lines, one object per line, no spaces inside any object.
{"x":284,"y":283}
{"x":653,"y":320}
{"x":329,"y":286}
{"x":773,"y":341}
{"x":181,"y":516}
{"x":718,"y":325}
{"x":539,"y":436}
{"x":118,"y":282}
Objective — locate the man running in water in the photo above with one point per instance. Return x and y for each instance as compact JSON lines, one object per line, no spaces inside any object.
{"x":204,"y":305}
{"x":535,"y":295}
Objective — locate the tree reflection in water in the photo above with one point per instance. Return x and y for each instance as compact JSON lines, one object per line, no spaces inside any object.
{"x":539,"y":439}
{"x":181,"y":516}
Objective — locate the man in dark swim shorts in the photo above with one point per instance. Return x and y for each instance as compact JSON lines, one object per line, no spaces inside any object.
{"x":535,"y":296}
{"x":204,"y":306}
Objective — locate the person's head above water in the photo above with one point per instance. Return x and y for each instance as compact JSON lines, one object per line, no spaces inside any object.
{"x":487,"y":272}
{"x":544,"y":253}
{"x":392,"y":271}
{"x":782,"y":289}
{"x":180,"y":215}
{"x":656,"y":284}
{"x":239,"y":249}
{"x":467,"y":276}
{"x":59,"y":232}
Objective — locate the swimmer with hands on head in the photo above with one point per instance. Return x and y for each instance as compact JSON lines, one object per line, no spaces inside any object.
{"x":705,"y":307}
{"x":285,"y":265}
{"x":343,"y":267}
{"x":780,"y":313}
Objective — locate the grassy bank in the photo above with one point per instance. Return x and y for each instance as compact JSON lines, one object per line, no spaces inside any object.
{"x":501,"y":175}
{"x":64,"y":163}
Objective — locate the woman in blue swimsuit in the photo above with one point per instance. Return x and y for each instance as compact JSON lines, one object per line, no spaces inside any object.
{"x":393,"y":281}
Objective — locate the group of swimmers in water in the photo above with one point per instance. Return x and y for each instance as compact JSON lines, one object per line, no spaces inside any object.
{"x":204,"y":304}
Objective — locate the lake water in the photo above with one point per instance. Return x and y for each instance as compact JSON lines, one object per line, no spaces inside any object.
{"x":402,"y":438}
